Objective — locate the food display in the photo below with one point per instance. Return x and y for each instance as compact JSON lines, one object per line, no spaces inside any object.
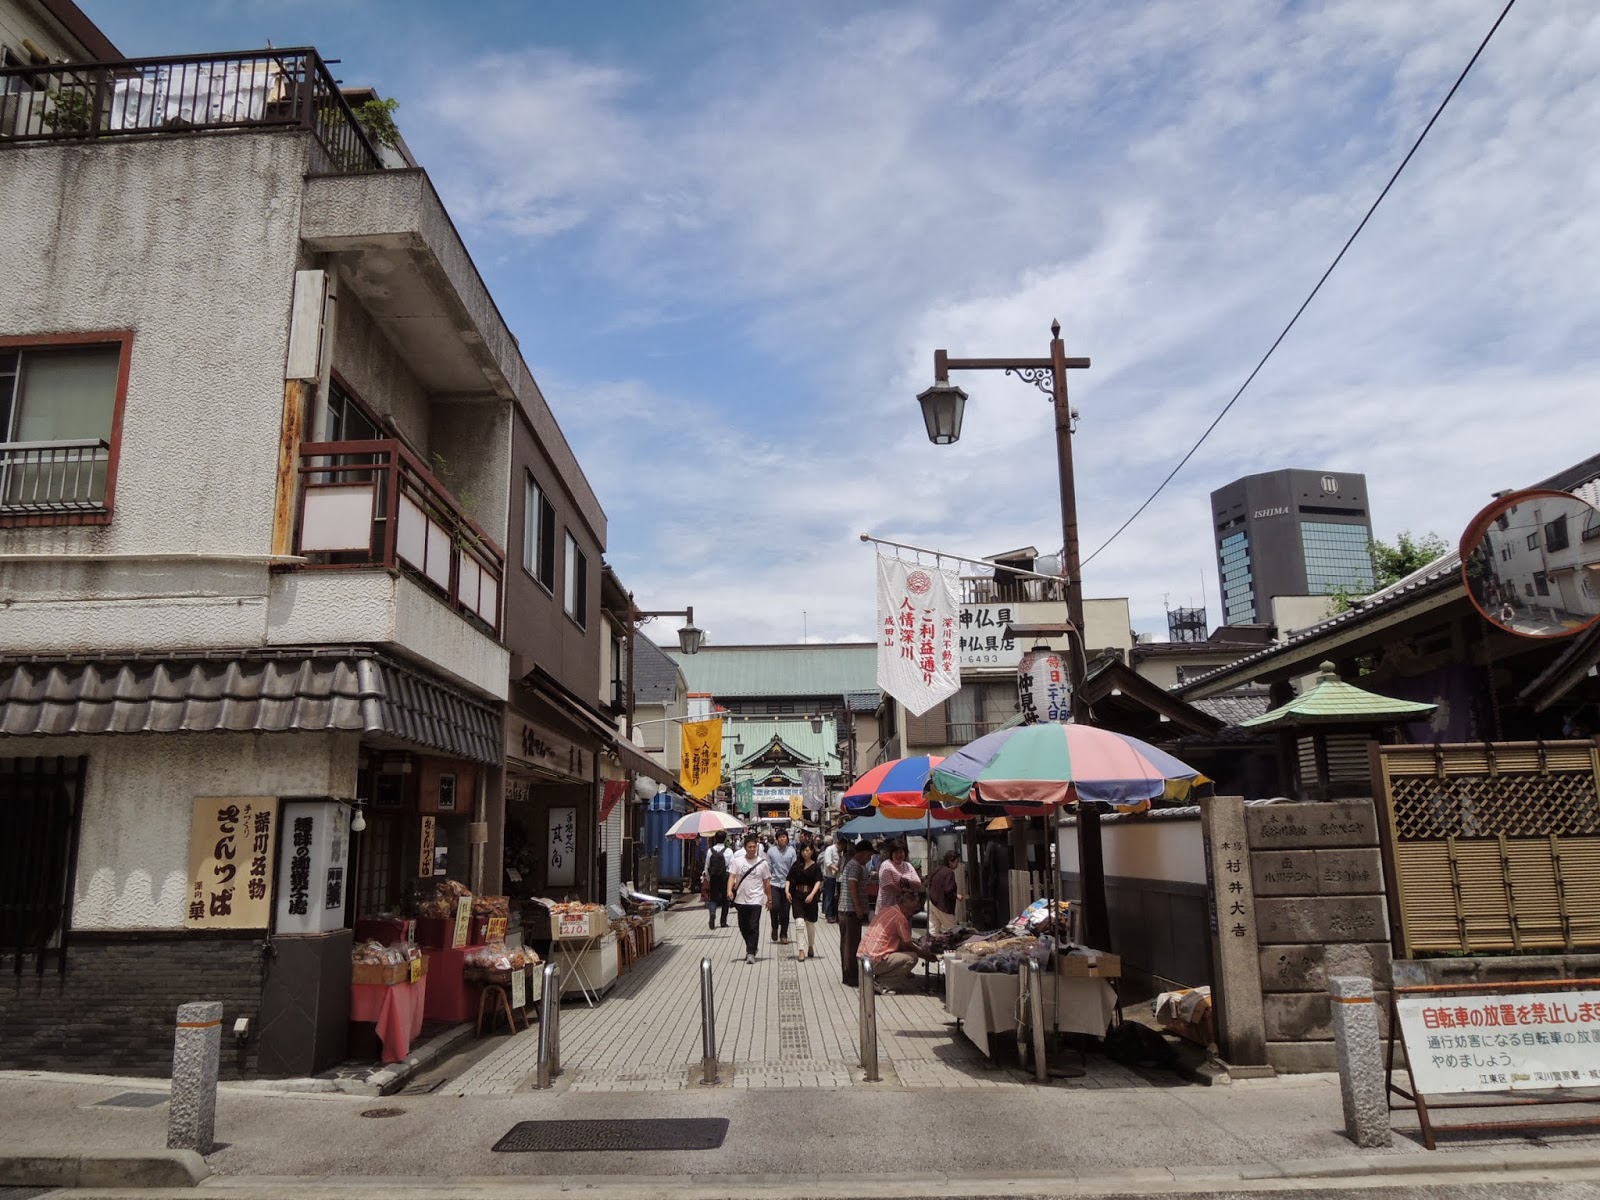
{"x":496,"y":963}
{"x":490,"y":906}
{"x":442,"y":903}
{"x":373,"y":962}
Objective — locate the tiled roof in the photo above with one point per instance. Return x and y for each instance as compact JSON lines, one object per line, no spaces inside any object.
{"x":863,"y":702}
{"x":754,"y":735}
{"x":655,"y":676}
{"x":728,"y":672}
{"x":245,"y":693}
{"x":1234,"y":708}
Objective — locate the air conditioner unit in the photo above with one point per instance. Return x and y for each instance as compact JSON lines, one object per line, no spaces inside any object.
{"x":22,"y":114}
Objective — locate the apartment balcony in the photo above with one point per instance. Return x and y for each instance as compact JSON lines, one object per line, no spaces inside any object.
{"x":53,"y":479}
{"x":184,"y":96}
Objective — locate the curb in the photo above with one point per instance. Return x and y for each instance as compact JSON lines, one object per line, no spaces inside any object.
{"x":158,"y":1169}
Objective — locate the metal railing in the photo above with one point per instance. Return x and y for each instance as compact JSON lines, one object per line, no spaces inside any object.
{"x":366,"y":504}
{"x":998,"y":589}
{"x":255,"y":89}
{"x":548,"y":1063}
{"x":60,"y":476}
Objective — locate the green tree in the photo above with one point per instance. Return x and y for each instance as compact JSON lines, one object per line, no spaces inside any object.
{"x":1390,"y":564}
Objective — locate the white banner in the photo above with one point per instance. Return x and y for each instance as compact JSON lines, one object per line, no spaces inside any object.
{"x":918,"y":661}
{"x":1044,"y":688}
{"x":1521,"y":1040}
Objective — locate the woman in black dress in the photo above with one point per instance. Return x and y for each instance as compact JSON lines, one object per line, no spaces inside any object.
{"x":804,"y":886}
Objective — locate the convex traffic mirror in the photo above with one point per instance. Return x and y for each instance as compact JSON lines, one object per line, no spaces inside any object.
{"x":1531,"y":563}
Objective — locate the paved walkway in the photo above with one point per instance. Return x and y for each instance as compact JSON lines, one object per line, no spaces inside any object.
{"x":780,"y":1024}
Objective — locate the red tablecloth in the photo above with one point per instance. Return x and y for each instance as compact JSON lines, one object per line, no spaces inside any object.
{"x":450,"y":998}
{"x":395,"y":1008}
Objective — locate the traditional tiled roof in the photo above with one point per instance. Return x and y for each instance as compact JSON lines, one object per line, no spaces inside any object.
{"x":1234,"y":708}
{"x":822,"y":749}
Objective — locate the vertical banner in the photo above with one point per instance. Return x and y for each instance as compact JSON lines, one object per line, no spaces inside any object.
{"x":744,"y":795}
{"x":813,"y":790}
{"x":310,"y":892}
{"x":1044,"y":688}
{"x":918,"y":660}
{"x":701,"y":771}
{"x":616,"y":789}
{"x":230,"y":863}
{"x":561,"y":869}
{"x":425,"y":849}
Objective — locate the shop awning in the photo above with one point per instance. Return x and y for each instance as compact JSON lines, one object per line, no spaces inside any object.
{"x":611,"y":738}
{"x":282,"y":692}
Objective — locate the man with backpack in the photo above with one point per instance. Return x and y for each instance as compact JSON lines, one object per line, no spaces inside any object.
{"x":716,"y":889}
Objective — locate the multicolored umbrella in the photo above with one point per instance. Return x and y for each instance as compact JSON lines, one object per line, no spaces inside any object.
{"x":703,"y":823}
{"x":895,"y":787}
{"x":1031,"y":769}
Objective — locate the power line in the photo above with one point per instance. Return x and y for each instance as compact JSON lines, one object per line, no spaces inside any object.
{"x":1313,"y":295}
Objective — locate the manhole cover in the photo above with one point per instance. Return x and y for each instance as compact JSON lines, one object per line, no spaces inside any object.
{"x":671,"y":1133}
{"x":384,"y":1112}
{"x":134,"y":1100}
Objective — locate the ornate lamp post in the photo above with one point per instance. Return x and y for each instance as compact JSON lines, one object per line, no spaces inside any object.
{"x":943,"y":406}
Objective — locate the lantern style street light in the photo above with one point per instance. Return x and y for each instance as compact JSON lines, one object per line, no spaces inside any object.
{"x":690,"y":639}
{"x":943,"y":406}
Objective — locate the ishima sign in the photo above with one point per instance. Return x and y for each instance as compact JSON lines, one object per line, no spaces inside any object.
{"x":918,"y":656}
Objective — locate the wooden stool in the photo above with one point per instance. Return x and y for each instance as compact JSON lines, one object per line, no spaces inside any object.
{"x":498,"y":1000}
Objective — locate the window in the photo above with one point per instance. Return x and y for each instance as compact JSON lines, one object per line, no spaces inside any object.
{"x":1533,"y":540}
{"x":1541,"y":583}
{"x":348,"y":419}
{"x":539,"y":535}
{"x":1555,"y":534}
{"x":1336,"y":556}
{"x":41,"y":800}
{"x":577,"y":585}
{"x":60,"y":409}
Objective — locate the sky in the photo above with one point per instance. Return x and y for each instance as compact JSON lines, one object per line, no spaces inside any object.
{"x":729,"y":235}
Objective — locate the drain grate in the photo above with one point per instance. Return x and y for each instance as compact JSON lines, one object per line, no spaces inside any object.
{"x":793,"y":1040}
{"x":134,"y":1100}
{"x":667,"y":1133}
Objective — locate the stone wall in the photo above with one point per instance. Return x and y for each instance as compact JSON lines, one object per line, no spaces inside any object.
{"x":113,"y":1011}
{"x":1320,"y":912}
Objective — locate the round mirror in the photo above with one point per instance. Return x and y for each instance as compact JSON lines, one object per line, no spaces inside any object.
{"x":1531,"y":563}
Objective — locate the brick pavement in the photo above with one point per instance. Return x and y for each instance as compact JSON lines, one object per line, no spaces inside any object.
{"x":780,"y":1024}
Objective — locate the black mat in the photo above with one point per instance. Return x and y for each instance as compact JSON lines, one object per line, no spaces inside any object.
{"x":134,"y":1100}
{"x":668,"y":1133}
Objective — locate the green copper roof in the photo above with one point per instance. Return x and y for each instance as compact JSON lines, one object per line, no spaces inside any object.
{"x":819,"y":749}
{"x":1334,"y":702}
{"x":731,"y":672}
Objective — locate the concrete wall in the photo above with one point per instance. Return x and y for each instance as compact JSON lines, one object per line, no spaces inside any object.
{"x":133,"y":847}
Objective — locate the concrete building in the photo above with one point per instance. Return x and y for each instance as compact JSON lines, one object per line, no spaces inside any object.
{"x":1289,"y":533}
{"x":267,"y":439}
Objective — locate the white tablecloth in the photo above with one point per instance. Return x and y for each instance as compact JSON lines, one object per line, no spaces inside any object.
{"x":987,"y":1004}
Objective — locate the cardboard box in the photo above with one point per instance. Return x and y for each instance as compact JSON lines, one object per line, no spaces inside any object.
{"x":583,"y":925}
{"x":1094,"y":965}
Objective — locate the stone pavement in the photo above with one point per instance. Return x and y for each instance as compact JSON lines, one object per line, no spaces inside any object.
{"x":780,"y":1024}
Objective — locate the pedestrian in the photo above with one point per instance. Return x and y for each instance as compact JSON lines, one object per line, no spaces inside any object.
{"x":879,"y":853}
{"x":895,"y":874}
{"x":803,"y":886}
{"x":997,"y":881}
{"x":718,"y":855}
{"x":943,"y":890}
{"x":852,"y":907}
{"x":750,"y":889}
{"x":781,"y":858}
{"x":832,"y":860}
{"x":889,"y":945}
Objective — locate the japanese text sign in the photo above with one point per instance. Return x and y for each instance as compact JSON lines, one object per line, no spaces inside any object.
{"x":230,"y":863}
{"x":918,"y":661}
{"x":563,"y":847}
{"x":701,"y":770}
{"x":425,"y":848}
{"x":1515,"y":1042}
{"x":1044,"y":688}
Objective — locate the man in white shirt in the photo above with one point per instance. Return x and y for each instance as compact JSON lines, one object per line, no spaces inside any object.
{"x":750,"y":889}
{"x":832,"y":860}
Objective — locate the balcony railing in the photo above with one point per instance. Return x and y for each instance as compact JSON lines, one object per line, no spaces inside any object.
{"x":53,"y":477}
{"x":1000,"y":589}
{"x":260,"y":89}
{"x":373,"y":504}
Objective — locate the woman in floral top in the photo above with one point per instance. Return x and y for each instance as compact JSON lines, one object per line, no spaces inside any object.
{"x":895,"y":873}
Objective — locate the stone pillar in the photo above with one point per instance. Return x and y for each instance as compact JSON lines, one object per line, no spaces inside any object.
{"x":196,"y":1055}
{"x":1235,"y":949}
{"x":1362,"y":1085}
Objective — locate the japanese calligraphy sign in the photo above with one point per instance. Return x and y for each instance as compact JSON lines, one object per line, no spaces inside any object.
{"x":1044,"y":689}
{"x":918,"y":661}
{"x":981,"y":639}
{"x":230,"y":863}
{"x":563,"y":847}
{"x":701,"y":769}
{"x":311,"y":867}
{"x":1520,"y":1041}
{"x":426,"y":847}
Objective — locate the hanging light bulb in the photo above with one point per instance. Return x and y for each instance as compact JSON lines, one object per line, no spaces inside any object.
{"x":357,"y":822}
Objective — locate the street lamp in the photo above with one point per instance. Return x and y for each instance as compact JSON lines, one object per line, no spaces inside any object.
{"x":690,"y":640}
{"x":943,"y":406}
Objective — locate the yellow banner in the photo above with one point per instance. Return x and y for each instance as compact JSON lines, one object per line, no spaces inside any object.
{"x":797,"y":809}
{"x":701,"y":772}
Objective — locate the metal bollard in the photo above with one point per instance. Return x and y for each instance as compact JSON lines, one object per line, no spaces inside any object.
{"x":1034,"y":977}
{"x":549,"y":1064}
{"x":868,"y":1031}
{"x":708,"y":1025}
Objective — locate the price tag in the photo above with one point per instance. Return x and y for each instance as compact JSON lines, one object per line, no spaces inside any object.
{"x":497,"y":929}
{"x":416,"y":969}
{"x":574,"y":927}
{"x":463,"y":922}
{"x":519,"y":988}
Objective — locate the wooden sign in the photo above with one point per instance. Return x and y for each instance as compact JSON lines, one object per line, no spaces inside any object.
{"x":463,"y":922}
{"x":425,"y":854}
{"x":230,"y":863}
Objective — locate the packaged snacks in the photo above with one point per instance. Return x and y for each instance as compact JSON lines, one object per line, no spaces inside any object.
{"x":441,"y":905}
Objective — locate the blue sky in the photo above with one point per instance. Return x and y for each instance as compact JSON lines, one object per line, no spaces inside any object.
{"x":730,"y":235}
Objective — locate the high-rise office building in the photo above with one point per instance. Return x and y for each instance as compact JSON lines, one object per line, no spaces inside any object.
{"x":1289,"y":533}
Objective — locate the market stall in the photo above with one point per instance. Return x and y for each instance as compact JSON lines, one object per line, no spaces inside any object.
{"x":388,"y":990}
